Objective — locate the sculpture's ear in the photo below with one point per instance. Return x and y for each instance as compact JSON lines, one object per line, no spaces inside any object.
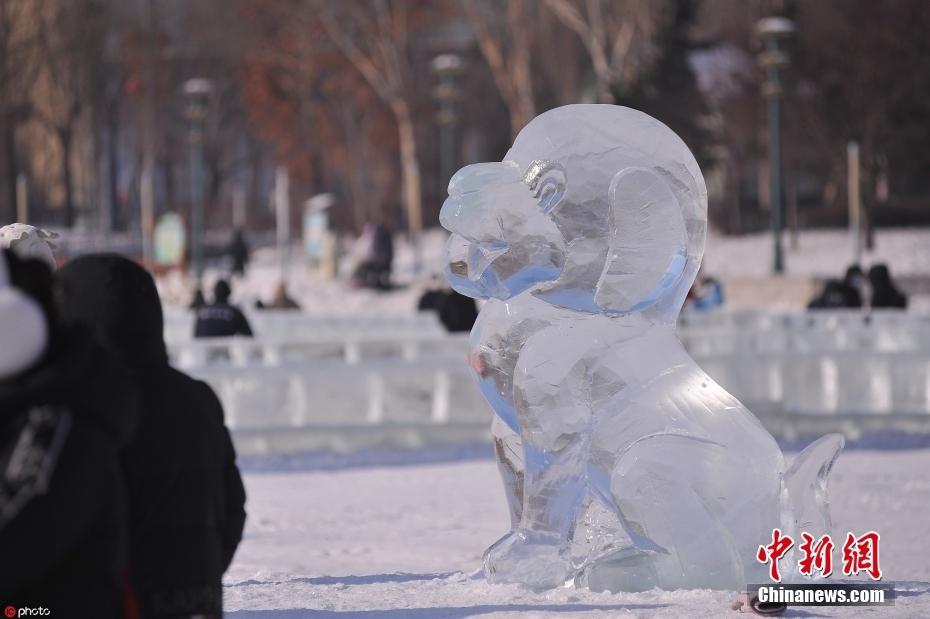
{"x":546,"y":180}
{"x":647,"y":245}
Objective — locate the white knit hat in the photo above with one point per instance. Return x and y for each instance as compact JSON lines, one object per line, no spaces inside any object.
{"x":29,"y":242}
{"x":23,"y":329}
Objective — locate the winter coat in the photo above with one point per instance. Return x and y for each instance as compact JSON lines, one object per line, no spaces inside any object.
{"x":884,"y":292}
{"x":62,"y":501}
{"x":221,"y":320}
{"x":430,"y":300}
{"x":186,"y":499}
{"x":239,"y":253}
{"x":382,"y":247}
{"x":457,"y":312}
{"x":836,"y":295}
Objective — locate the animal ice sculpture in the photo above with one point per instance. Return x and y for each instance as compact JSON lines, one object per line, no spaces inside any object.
{"x":625,"y":466}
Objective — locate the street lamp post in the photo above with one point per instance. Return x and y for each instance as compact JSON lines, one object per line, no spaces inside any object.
{"x":447,"y":67}
{"x":197,"y":92}
{"x":772,"y":59}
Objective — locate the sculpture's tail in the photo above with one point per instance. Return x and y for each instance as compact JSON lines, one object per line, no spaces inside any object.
{"x":806,"y":483}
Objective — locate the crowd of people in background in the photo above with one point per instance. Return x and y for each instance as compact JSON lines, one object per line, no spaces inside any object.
{"x":119,"y":491}
{"x":877,"y":290}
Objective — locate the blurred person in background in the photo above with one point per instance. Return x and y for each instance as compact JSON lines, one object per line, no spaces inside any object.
{"x":856,"y":284}
{"x":885,"y":294}
{"x":363,"y":249}
{"x":220,"y":318}
{"x":706,"y":294}
{"x":281,"y":300}
{"x":186,"y":499}
{"x":841,"y":294}
{"x":239,"y":252}
{"x":835,"y":295}
{"x":382,"y":257}
{"x":198,"y":299}
{"x":456,"y":312}
{"x":432,"y":296}
{"x":66,"y":410}
{"x":377,"y":249}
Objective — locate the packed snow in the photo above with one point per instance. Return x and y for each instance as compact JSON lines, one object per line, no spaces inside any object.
{"x":397,"y":537}
{"x":400,"y":535}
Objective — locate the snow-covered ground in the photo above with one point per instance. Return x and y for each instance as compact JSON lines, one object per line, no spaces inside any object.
{"x":820,"y":253}
{"x":398,"y":536}
{"x":405,"y":541}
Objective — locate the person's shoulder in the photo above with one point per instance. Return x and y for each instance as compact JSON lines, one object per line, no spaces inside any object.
{"x":195,"y":385}
{"x":199,"y":392}
{"x":180,"y":398}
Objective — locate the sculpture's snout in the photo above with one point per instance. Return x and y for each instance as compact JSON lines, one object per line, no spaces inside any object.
{"x":479,"y":176}
{"x":475,"y":195}
{"x":503,"y":241}
{"x":478,"y":235}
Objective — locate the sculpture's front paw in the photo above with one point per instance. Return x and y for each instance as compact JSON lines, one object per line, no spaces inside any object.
{"x":537,"y":560}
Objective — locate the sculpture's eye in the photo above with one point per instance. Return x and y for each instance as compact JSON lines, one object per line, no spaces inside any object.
{"x":546,"y":180}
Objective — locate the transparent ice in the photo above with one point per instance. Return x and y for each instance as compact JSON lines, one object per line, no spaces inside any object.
{"x":625,"y":466}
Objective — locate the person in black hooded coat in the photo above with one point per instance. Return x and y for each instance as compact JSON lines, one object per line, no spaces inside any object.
{"x":63,"y":418}
{"x":885,"y":293}
{"x":221,"y":318}
{"x":186,"y":499}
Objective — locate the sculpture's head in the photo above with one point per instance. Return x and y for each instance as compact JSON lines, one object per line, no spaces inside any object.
{"x":597,"y":208}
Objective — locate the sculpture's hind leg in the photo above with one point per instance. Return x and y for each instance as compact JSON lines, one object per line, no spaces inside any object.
{"x":671,"y":509}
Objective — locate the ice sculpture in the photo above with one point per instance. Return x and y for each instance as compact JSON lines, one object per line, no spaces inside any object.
{"x":625,"y":466}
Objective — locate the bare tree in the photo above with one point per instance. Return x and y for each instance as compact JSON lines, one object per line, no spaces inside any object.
{"x":18,"y":53}
{"x":618,"y":36}
{"x":212,"y":41}
{"x":506,"y":46}
{"x":326,"y":122}
{"x":71,"y":38}
{"x":374,"y":37}
{"x":354,"y":123}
